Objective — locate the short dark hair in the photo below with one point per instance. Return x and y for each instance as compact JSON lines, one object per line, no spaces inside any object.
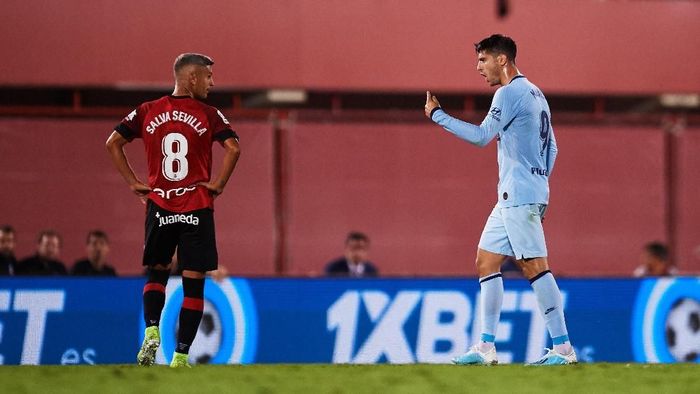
{"x":498,"y":44}
{"x":49,"y":233}
{"x":356,"y":236}
{"x":658,"y":250}
{"x":186,"y":59}
{"x":96,"y":234}
{"x":7,"y":229}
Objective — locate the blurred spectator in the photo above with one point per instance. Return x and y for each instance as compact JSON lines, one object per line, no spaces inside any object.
{"x":45,"y":261}
{"x":8,"y":261}
{"x":97,"y":249}
{"x":354,"y":263}
{"x":654,"y":261}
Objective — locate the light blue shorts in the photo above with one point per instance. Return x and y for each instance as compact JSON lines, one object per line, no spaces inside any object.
{"x":515,"y":231}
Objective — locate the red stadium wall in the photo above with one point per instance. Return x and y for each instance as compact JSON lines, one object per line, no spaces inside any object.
{"x":424,"y":196}
{"x":688,"y":196}
{"x":581,"y":47}
{"x":421,"y":194}
{"x":418,"y":194}
{"x":56,"y":174}
{"x":607,"y":199}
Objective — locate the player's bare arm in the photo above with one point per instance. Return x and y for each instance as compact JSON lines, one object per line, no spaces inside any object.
{"x":231,"y":155}
{"x":431,"y":102}
{"x":115,"y":146}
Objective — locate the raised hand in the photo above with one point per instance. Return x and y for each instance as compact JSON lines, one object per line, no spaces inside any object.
{"x":431,"y":102}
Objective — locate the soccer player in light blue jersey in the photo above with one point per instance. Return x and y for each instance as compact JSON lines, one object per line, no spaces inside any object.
{"x":519,"y":120}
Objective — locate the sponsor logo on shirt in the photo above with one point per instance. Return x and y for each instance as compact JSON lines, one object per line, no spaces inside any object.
{"x":538,"y":171}
{"x":223,"y":118}
{"x":177,"y":192}
{"x":495,"y":113}
{"x":177,"y":218}
{"x":131,"y":116}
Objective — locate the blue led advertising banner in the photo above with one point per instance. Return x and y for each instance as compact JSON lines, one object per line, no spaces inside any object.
{"x":99,"y":321}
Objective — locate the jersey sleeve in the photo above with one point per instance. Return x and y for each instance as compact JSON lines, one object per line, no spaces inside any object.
{"x":477,"y":135}
{"x":222,"y":128}
{"x":501,"y":114}
{"x":552,"y":151}
{"x":130,"y":126}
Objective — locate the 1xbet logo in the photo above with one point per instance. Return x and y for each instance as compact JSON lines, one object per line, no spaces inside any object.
{"x":441,"y":331}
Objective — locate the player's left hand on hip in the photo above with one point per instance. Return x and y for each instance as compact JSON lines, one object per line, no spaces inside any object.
{"x":213,"y":189}
{"x":431,"y":102}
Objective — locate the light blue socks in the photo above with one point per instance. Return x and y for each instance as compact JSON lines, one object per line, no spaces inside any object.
{"x":549,"y":300}
{"x":491,"y":302}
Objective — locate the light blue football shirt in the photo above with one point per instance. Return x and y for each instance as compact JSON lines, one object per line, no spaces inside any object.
{"x":519,"y":116}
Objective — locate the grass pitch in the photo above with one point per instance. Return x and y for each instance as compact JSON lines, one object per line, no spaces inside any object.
{"x":324,"y":378}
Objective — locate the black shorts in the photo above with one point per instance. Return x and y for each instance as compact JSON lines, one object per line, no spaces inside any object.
{"x":191,"y":232}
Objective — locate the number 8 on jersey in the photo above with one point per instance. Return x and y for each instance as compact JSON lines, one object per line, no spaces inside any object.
{"x":175,"y":157}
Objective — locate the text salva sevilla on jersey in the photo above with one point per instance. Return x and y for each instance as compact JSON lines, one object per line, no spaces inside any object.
{"x":176,"y":116}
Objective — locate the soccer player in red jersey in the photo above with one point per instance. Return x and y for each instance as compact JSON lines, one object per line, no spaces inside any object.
{"x":178,"y":132}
